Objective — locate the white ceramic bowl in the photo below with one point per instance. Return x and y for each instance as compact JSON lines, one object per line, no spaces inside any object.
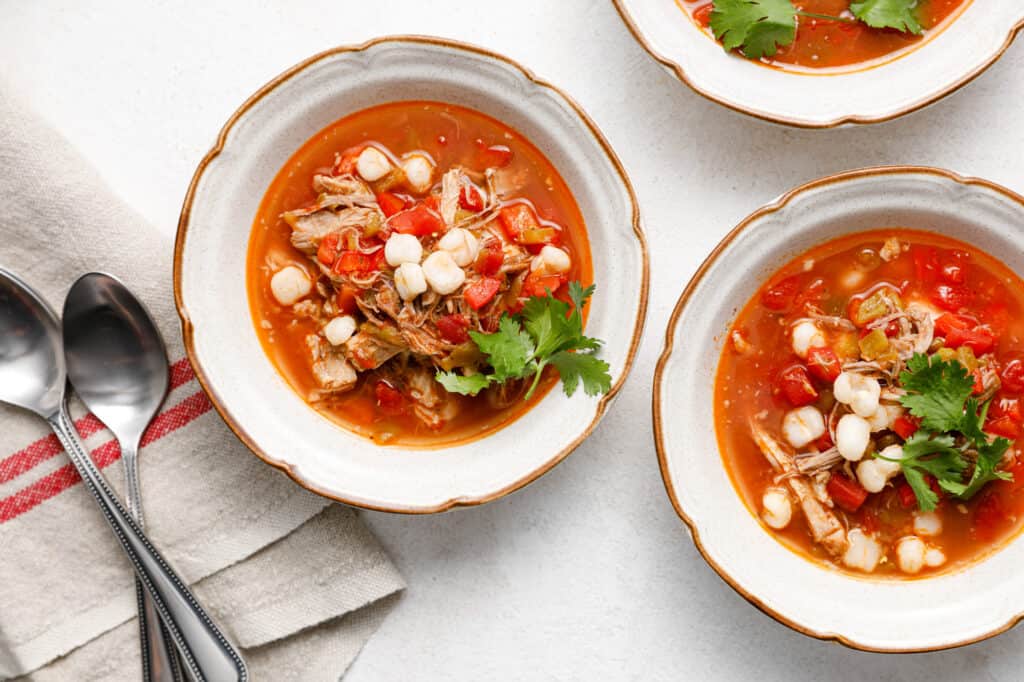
{"x":213,"y":234}
{"x":879,"y":615}
{"x":933,"y":69}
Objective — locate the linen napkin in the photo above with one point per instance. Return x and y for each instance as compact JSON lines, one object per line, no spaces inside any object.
{"x":296,"y":582}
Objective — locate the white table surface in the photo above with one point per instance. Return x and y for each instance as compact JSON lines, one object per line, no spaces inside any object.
{"x":587,"y":574}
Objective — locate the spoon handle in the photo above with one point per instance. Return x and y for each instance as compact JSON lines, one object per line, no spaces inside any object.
{"x":159,"y":657}
{"x":206,"y":652}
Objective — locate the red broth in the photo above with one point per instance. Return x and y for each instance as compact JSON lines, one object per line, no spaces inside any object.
{"x":451,"y":135}
{"x":823,"y":44}
{"x":943,"y":274}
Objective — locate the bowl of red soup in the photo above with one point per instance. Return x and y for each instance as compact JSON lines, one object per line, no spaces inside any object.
{"x":824,"y":63}
{"x":839,"y":409}
{"x":411,"y":275}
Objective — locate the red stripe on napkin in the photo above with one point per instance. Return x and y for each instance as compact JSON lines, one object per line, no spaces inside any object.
{"x":60,"y":480}
{"x":43,"y":449}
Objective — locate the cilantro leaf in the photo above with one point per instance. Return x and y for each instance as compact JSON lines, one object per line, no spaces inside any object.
{"x":989,"y":457}
{"x":937,"y":390}
{"x":924,"y":454}
{"x":756,"y":27}
{"x":466,"y":385}
{"x":546,"y":331}
{"x":585,"y":367}
{"x":897,"y":14}
{"x":509,"y":350}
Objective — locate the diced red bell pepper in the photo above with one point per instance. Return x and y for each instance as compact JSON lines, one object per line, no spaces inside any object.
{"x":418,"y":220}
{"x":345,"y":299}
{"x":454,"y":328}
{"x":780,"y":296}
{"x":1013,"y":376}
{"x":471,"y":200}
{"x":390,"y":203}
{"x":540,"y":285}
{"x":490,"y":258}
{"x":516,"y":219}
{"x":328,"y":250}
{"x":796,"y":386}
{"x":823,"y":364}
{"x":979,"y":340}
{"x":951,"y":297}
{"x":846,"y":492}
{"x":495,"y":156}
{"x":354,"y":261}
{"x":906,"y":425}
{"x":389,"y":399}
{"x":481,"y":292}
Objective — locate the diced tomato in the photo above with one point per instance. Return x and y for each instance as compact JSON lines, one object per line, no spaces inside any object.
{"x":702,"y":15}
{"x":345,"y":299}
{"x":796,"y":385}
{"x":389,"y":399}
{"x":1003,"y":426}
{"x":979,"y":340}
{"x":846,"y":492}
{"x":825,"y":442}
{"x":454,"y":328}
{"x":892,"y":329}
{"x":1005,"y":418}
{"x":346,"y":161}
{"x":540,"y":285}
{"x":948,"y":322}
{"x":418,"y":220}
{"x":354,"y":261}
{"x":479,"y":293}
{"x":823,"y":364}
{"x":926,"y":263}
{"x":906,"y":425}
{"x":780,"y":296}
{"x":495,"y":156}
{"x":390,"y":203}
{"x":516,"y":219}
{"x":951,"y":297}
{"x":812,"y":293}
{"x":1013,"y":376}
{"x":490,"y":258}
{"x":433,"y":202}
{"x":471,"y":199}
{"x":989,"y":516}
{"x":328,"y":250}
{"x":908,"y":500}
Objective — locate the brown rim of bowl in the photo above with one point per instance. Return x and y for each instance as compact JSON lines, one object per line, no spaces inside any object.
{"x":680,"y":73}
{"x":186,"y":324}
{"x":659,"y":442}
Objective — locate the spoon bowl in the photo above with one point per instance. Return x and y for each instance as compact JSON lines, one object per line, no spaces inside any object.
{"x":116,"y":358}
{"x":32,"y":370}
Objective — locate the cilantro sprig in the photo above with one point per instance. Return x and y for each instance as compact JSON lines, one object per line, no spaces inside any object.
{"x":547,"y":331}
{"x":939,"y":394}
{"x":758,"y":28}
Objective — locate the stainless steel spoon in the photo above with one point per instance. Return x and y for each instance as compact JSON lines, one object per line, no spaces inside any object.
{"x":33,"y":377}
{"x":117,"y":364}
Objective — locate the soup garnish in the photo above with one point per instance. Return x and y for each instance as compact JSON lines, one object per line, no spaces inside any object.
{"x":819,"y":33}
{"x":869,"y":400}
{"x":415,"y":269}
